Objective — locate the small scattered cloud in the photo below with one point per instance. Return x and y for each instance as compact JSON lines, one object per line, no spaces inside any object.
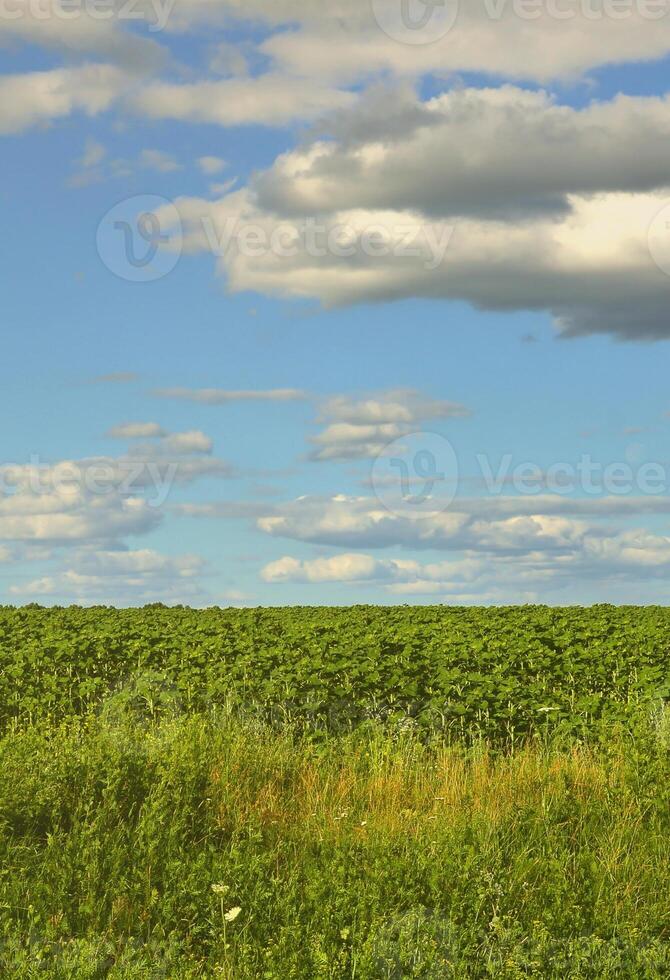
{"x":272,"y":99}
{"x":211,"y":165}
{"x":39,"y":97}
{"x":187,"y":442}
{"x":228,"y":60}
{"x":135,"y":577}
{"x":93,"y":167}
{"x":222,"y":396}
{"x":360,"y":428}
{"x":158,"y":160}
{"x":88,"y":166}
{"x":219,"y":190}
{"x":94,"y":154}
{"x":137,"y":430}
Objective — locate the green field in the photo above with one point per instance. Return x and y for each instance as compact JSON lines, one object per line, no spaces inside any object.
{"x":335,"y":793}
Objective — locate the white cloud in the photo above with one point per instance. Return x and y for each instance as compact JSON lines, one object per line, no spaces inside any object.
{"x":78,"y":31}
{"x":81,"y":513}
{"x":342,"y":41}
{"x":591,"y":268}
{"x":501,"y":556}
{"x":270,"y":100}
{"x":222,"y":396}
{"x":137,"y":430}
{"x":486,"y":153}
{"x":493,"y":576}
{"x":159,"y":160}
{"x":342,"y":441}
{"x":632,"y":549}
{"x":89,"y":169}
{"x":397,"y":405}
{"x":346,"y":42}
{"x":72,"y":516}
{"x":496,"y":197}
{"x":39,"y":97}
{"x":308,"y":515}
{"x":462,"y":581}
{"x":459,"y":581}
{"x":98,"y":170}
{"x":187,"y":442}
{"x":364,"y":522}
{"x":219,"y":189}
{"x":361,"y":428}
{"x":314,"y":54}
{"x":94,"y":153}
{"x":120,"y":576}
{"x":211,"y":165}
{"x":229,"y":60}
{"x":341,"y":568}
{"x":174,"y":444}
{"x":102,"y":498}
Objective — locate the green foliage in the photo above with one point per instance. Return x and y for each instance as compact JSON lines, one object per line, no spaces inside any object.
{"x":127,"y":850}
{"x":324,"y":794}
{"x":492,"y":673}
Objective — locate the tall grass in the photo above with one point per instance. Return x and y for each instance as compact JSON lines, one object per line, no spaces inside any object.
{"x":128,"y":845}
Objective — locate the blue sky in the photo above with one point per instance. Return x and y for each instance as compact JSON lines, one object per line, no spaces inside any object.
{"x":501,"y":190}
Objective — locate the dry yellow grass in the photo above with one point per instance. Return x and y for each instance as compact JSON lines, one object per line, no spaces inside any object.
{"x":407,"y":792}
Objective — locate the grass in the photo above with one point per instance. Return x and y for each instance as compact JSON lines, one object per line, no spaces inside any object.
{"x":129,"y":841}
